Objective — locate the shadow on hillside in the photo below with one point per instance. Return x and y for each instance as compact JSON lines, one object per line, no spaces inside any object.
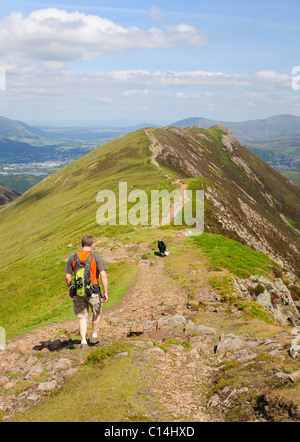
{"x":32,"y":197}
{"x":57,"y":345}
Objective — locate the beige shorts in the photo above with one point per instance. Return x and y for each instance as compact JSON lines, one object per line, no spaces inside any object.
{"x":81,"y":305}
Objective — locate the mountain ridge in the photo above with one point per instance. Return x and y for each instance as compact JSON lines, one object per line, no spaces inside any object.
{"x":214,"y":322}
{"x":241,"y":202}
{"x":236,"y":170}
{"x":252,"y":130}
{"x":18,"y":129}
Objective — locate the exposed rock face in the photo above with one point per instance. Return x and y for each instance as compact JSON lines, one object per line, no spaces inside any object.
{"x":229,"y":343}
{"x":274,"y":296}
{"x":295,"y":346}
{"x":246,"y":199}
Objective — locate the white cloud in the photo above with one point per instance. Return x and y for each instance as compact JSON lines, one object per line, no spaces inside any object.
{"x":57,"y":35}
{"x":49,"y":90}
{"x":189,"y":79}
{"x":135,"y":92}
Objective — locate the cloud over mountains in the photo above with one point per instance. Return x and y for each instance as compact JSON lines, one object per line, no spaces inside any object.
{"x":55,"y":59}
{"x":57,"y":35}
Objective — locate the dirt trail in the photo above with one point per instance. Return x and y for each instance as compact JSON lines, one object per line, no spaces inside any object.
{"x":156,"y":149}
{"x":165,"y":338}
{"x":153,"y":298}
{"x":154,"y":308}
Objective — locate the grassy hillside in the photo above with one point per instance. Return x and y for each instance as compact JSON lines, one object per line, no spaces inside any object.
{"x":238,"y":259}
{"x":187,"y":369}
{"x":20,"y":183}
{"x":244,"y":195}
{"x":37,"y":228}
{"x":178,"y":312}
{"x":44,"y":226}
{"x":18,"y":130}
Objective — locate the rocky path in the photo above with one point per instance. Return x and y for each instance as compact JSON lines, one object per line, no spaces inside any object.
{"x":156,"y":150}
{"x":157,"y":318}
{"x":155,"y":308}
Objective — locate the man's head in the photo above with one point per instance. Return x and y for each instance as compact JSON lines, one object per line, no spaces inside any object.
{"x":87,"y":241}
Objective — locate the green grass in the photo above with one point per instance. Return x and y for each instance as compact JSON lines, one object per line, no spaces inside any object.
{"x":121,"y":277}
{"x":259,"y":379}
{"x":20,"y":183}
{"x":36,"y":229}
{"x":237,"y":258}
{"x":48,"y":302}
{"x":115,"y":390}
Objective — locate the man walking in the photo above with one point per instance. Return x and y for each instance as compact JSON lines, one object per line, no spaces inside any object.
{"x":94,"y":267}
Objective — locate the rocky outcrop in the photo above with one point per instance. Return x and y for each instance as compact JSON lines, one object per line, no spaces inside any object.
{"x":274,"y":296}
{"x":295,"y":345}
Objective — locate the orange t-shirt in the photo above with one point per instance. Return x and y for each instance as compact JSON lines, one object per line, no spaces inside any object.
{"x":97,"y":265}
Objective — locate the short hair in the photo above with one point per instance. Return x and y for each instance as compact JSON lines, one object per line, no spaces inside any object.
{"x":87,"y":241}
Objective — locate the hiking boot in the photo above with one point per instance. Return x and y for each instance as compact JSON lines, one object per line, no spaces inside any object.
{"x":94,"y":341}
{"x":83,"y":346}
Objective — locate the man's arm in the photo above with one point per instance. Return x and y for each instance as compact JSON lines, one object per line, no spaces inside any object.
{"x":69,"y":283}
{"x":104,"y":280}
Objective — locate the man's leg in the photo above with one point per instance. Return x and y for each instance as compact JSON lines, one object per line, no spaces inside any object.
{"x":96,"y":323}
{"x":95,"y":303}
{"x":83,"y":329}
{"x":81,"y":311}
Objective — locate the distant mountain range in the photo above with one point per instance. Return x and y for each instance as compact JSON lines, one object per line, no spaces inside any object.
{"x":253,"y":130}
{"x":248,"y":131}
{"x":18,"y":130}
{"x":276,"y":140}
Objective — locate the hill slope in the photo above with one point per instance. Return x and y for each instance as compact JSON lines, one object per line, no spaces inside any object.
{"x":209,"y":322}
{"x":212,"y":360}
{"x":245,"y":200}
{"x":14,"y":152}
{"x":7,"y":195}
{"x":17,"y":129}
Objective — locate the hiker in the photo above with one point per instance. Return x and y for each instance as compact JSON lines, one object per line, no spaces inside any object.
{"x":87,"y":267}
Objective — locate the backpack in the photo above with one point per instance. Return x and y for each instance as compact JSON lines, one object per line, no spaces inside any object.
{"x":82,"y":278}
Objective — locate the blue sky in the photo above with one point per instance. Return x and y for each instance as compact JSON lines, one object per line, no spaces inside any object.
{"x":154,"y":61}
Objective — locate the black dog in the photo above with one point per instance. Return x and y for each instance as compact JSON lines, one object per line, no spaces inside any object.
{"x":162,"y":248}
